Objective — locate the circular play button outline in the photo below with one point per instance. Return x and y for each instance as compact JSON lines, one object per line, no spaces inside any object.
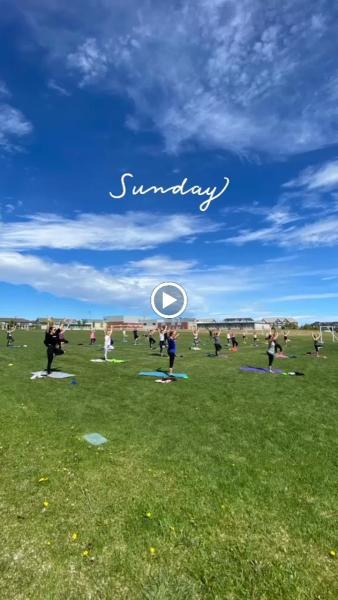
{"x":167,"y":296}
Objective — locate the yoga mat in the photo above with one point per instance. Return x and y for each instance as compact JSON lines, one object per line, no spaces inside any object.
{"x":117,"y":361}
{"x":53,"y":375}
{"x":261,"y":370}
{"x":161,"y":374}
{"x":111,"y":360}
{"x":96,"y":439}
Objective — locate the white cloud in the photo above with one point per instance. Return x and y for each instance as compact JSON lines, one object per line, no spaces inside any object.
{"x":13,"y":125}
{"x":322,"y":178}
{"x":242,"y":76}
{"x":322,"y":232}
{"x":129,"y":283}
{"x":89,"y":60}
{"x":127,"y":231}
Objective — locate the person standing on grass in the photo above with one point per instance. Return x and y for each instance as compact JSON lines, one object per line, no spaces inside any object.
{"x":271,"y":351}
{"x":162,"y":340}
{"x":92,"y":336}
{"x":244,"y":337}
{"x":151,"y":339}
{"x":136,"y":336}
{"x":61,"y":333}
{"x":234,"y":342}
{"x":124,"y":336}
{"x":217,"y":341}
{"x":196,"y":338}
{"x":53,"y":345}
{"x":228,"y":338}
{"x":172,"y":337}
{"x":10,"y":337}
{"x":166,"y":335}
{"x":286,"y":337}
{"x":108,"y":342}
{"x":274,"y":335}
{"x":317,"y":343}
{"x":255,"y":338}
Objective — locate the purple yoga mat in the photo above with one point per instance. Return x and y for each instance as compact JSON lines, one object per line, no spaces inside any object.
{"x":261,"y":370}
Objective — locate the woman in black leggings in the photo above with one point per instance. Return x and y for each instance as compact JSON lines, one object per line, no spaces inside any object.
{"x":53,"y":345}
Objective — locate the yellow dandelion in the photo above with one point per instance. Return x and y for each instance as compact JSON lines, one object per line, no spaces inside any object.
{"x":152,"y":550}
{"x":74,"y":536}
{"x":333,"y":553}
{"x":85,"y":553}
{"x":148,"y":515}
{"x":43,"y":479}
{"x":46,"y":503}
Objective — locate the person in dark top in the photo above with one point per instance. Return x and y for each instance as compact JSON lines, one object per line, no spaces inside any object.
{"x":233,"y":340}
{"x":172,"y":349}
{"x":151,"y":339}
{"x":53,"y":345}
{"x":135,"y":334}
{"x":217,"y":341}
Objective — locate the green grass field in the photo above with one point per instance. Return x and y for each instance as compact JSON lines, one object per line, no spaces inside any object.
{"x":223,"y":486}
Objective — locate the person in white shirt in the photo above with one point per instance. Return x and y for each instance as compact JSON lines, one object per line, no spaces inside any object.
{"x":162,"y":340}
{"x":108,"y":343}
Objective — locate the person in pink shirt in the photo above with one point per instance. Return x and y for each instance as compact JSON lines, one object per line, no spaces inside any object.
{"x":93,"y":337}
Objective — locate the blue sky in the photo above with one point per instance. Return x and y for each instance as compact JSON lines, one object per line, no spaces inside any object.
{"x":202,"y":90}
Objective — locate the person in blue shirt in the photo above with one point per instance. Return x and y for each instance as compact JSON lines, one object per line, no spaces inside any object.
{"x":172,"y":349}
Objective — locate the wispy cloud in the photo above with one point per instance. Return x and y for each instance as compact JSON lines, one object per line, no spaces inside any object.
{"x":322,"y":178}
{"x":222,"y":71}
{"x":56,"y":87}
{"x":322,"y":232}
{"x":303,"y":297}
{"x":128,"y":231}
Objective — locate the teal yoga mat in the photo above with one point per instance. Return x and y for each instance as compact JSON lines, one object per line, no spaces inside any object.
{"x":162,"y":374}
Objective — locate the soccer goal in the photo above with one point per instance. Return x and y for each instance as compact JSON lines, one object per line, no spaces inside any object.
{"x":327,"y":329}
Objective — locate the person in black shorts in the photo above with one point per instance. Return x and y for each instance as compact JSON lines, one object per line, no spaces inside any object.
{"x":135,"y":334}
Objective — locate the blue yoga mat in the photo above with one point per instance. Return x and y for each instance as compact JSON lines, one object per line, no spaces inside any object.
{"x":261,"y":370}
{"x":161,"y":374}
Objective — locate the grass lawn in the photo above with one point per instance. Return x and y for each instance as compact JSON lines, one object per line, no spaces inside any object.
{"x":223,"y":486}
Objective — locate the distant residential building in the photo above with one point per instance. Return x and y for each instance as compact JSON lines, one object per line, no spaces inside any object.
{"x":229,"y":323}
{"x":281,"y":321}
{"x":19,"y":322}
{"x":333,"y":324}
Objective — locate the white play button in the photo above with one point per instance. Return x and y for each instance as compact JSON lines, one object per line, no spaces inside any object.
{"x":167,"y":300}
{"x":169,"y":294}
